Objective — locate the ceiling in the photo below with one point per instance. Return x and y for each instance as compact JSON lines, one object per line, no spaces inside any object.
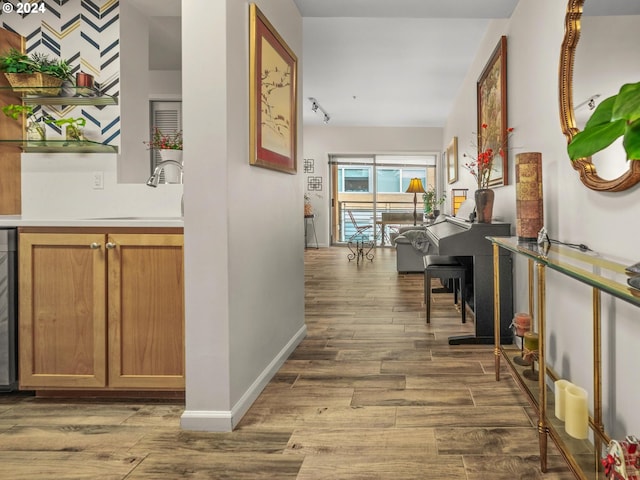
{"x":165,"y":43}
{"x":373,"y":62}
{"x":390,"y":63}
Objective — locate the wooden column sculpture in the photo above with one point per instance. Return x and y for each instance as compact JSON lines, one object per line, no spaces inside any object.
{"x":529,"y":207}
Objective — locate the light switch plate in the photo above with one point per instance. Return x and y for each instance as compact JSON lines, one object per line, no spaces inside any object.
{"x":98,"y":181}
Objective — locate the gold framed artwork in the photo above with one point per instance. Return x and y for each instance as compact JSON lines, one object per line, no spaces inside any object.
{"x":272,"y":97}
{"x":452,"y":161}
{"x":492,"y":111}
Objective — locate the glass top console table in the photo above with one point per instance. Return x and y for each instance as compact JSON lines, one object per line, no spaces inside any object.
{"x":603,"y":275}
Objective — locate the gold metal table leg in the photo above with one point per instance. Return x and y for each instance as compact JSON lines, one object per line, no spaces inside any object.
{"x":542,"y":427}
{"x":496,"y":309}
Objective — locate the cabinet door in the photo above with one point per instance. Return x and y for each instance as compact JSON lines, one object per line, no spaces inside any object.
{"x":62,"y":310}
{"x":146,"y":311}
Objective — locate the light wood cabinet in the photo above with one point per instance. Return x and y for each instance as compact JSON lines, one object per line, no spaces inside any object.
{"x":101,"y":310}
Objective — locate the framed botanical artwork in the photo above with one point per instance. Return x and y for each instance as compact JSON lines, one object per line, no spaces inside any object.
{"x":452,"y":161}
{"x":492,"y":111}
{"x":273,"y":97}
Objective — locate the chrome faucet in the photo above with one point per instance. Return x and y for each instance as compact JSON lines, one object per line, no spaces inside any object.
{"x":155,"y":176}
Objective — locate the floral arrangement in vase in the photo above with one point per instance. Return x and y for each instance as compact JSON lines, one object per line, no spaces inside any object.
{"x":162,"y":141}
{"x":482,"y":165}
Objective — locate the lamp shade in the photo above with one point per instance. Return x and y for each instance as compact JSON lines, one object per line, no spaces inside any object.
{"x":415,"y":186}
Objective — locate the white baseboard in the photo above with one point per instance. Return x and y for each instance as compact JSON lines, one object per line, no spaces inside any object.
{"x":225,"y":421}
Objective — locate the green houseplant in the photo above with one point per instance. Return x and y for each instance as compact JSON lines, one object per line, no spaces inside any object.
{"x":55,"y":68}
{"x":14,"y":61}
{"x":73,"y":130}
{"x":35,"y":128}
{"x":432,"y":201}
{"x":27,"y":73}
{"x":615,"y":117}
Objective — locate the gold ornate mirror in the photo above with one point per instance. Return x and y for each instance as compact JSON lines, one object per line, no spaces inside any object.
{"x":628,"y":173}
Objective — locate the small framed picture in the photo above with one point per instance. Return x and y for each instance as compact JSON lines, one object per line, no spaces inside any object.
{"x":452,"y":160}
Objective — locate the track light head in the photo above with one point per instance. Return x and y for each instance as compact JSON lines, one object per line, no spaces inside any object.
{"x":315,"y":107}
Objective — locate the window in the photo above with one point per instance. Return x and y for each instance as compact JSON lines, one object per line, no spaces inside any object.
{"x":389,"y":180}
{"x":355,"y":179}
{"x":167,"y":116}
{"x":396,"y":180}
{"x":369,"y":185}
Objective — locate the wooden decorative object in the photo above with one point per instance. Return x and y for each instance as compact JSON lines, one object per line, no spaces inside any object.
{"x":529,"y":206}
{"x":35,"y":83}
{"x":10,"y":129}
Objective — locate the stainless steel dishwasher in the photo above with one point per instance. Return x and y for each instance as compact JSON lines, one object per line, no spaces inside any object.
{"x":8,"y":310}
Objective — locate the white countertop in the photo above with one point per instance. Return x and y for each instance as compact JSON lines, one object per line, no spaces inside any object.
{"x":20,"y":221}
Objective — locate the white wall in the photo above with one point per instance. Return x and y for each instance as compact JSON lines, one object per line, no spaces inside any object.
{"x":138,"y":85}
{"x":244,"y":266}
{"x":56,"y":186}
{"x":164,"y":84}
{"x":573,"y":213}
{"x":133,"y":163}
{"x":322,"y":141}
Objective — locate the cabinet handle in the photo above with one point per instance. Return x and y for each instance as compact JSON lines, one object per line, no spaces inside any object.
{"x":111,"y":245}
{"x":94,"y":246}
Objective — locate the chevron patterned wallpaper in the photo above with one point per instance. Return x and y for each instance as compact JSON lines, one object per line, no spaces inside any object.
{"x":87,"y":35}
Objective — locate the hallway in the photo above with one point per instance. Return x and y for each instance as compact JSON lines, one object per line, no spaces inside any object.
{"x":371,"y":393}
{"x":375,"y":393}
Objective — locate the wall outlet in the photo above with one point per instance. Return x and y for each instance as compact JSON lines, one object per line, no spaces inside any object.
{"x":98,"y":181}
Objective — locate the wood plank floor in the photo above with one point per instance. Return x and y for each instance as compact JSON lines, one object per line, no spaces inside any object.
{"x":371,"y":393}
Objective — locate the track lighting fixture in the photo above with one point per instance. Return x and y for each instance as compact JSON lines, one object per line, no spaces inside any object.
{"x":315,"y":107}
{"x":589,"y":102}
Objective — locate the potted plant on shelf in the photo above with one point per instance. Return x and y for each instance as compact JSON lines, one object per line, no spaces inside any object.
{"x":170,"y":148}
{"x":35,"y":130}
{"x":34,"y":75}
{"x":432,"y":202}
{"x":615,"y":117}
{"x":169,"y":145}
{"x":55,"y":68}
{"x":73,"y":130}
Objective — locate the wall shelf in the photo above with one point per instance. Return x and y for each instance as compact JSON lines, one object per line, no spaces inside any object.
{"x":61,"y":146}
{"x":603,"y":275}
{"x":77,"y":96}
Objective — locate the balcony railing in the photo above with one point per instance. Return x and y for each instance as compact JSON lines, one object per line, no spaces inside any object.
{"x":363,"y":214}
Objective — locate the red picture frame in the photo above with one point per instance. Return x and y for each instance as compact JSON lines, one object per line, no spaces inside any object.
{"x":273,"y":97}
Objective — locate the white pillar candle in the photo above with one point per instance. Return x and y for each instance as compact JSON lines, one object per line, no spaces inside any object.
{"x":560,"y":393}
{"x":576,"y":412}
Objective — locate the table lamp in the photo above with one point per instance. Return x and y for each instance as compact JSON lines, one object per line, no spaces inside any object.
{"x":415,"y":187}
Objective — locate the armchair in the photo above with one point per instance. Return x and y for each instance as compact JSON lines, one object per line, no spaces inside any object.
{"x":408,"y":257}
